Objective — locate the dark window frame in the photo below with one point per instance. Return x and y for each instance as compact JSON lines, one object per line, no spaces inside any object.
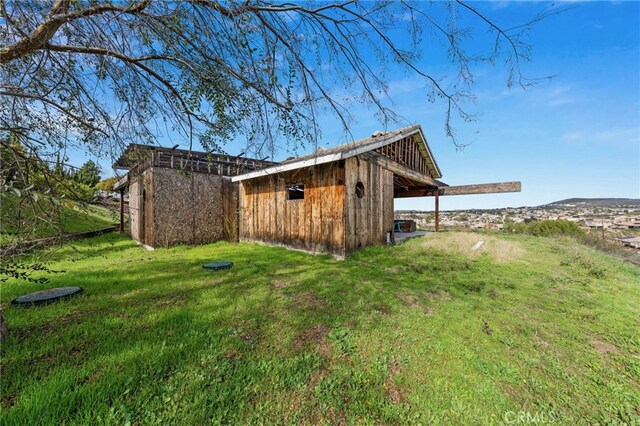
{"x":359,"y":189}
{"x":295,"y":191}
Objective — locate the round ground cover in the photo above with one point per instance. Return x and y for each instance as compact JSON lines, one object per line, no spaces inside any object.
{"x":45,"y":296}
{"x":216,"y":266}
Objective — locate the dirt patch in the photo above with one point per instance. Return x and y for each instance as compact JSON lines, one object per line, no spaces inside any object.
{"x":245,"y":331}
{"x":308,"y":299}
{"x":9,"y":401}
{"x":486,"y":328}
{"x":392,"y":389}
{"x":167,"y":300}
{"x":382,"y":308}
{"x":412,"y":300}
{"x":435,"y":296}
{"x":313,"y":336}
{"x":409,"y":299}
{"x":541,"y":342}
{"x":232,"y":354}
{"x":603,"y":347}
{"x":509,"y":390}
{"x":283,"y":284}
{"x":249,"y":336}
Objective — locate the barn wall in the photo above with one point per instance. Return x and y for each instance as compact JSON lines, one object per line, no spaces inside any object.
{"x":367,"y":219}
{"x":188,"y":208}
{"x":315,"y":223}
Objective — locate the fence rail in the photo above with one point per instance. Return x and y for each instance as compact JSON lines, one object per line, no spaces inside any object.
{"x":26,"y":246}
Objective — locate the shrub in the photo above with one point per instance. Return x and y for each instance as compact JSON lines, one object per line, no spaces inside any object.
{"x":545,"y":228}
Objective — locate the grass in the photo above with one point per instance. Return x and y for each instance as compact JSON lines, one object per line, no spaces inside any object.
{"x":421,"y":333}
{"x":47,"y":220}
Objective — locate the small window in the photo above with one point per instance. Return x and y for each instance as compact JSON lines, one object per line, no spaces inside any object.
{"x":296,"y":191}
{"x":359,"y":190}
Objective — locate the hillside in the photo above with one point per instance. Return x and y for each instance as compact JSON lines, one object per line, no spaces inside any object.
{"x":597,"y":202}
{"x":17,"y":220}
{"x":426,"y":332}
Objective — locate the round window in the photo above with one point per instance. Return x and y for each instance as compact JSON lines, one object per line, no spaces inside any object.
{"x":359,"y":190}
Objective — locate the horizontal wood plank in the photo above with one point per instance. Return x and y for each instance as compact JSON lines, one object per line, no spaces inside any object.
{"x":398,"y":168}
{"x":482,"y":188}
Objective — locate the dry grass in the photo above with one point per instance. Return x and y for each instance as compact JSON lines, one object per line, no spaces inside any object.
{"x":501,"y":251}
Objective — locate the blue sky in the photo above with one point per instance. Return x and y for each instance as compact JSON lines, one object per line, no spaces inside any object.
{"x":577,"y":135}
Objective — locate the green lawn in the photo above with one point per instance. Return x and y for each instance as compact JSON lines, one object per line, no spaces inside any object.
{"x":420,"y":333}
{"x":26,"y":222}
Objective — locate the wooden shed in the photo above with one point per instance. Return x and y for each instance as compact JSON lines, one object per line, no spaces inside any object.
{"x":181,"y":197}
{"x":336,"y":200}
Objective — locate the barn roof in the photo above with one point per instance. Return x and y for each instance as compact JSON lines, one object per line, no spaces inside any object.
{"x":351,"y":149}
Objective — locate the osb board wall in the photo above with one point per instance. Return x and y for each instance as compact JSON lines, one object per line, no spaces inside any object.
{"x":188,"y":208}
{"x":315,"y":223}
{"x":368,"y":219}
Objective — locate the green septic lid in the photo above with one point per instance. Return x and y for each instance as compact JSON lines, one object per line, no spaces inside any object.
{"x":45,"y":296}
{"x":216,"y":266}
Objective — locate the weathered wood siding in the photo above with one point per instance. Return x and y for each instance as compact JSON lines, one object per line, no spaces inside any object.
{"x":148,"y":218}
{"x":367,"y":219}
{"x":135,"y":200}
{"x":230,"y":218}
{"x":315,"y":223}
{"x":140,"y":208}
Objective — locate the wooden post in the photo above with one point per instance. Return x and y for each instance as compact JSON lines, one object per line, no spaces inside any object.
{"x":437,"y":211}
{"x":122,"y":210}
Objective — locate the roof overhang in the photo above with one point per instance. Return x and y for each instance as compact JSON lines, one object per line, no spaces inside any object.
{"x":349,"y":152}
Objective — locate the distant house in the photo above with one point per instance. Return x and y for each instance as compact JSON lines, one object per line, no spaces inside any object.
{"x":630,"y":241}
{"x":335,"y":200}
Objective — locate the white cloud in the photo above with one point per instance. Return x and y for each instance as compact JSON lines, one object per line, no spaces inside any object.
{"x":619,"y":136}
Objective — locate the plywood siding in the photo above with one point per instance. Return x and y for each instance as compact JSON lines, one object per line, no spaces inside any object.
{"x":315,"y":223}
{"x":182,"y":208}
{"x":367,"y":219}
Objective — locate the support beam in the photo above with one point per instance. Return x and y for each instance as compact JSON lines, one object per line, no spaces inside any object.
{"x":437,"y":212}
{"x":484,"y":188}
{"x":122,"y":210}
{"x":124,"y":181}
{"x":398,"y":168}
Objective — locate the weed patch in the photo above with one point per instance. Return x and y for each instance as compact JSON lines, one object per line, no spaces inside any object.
{"x":463,"y":243}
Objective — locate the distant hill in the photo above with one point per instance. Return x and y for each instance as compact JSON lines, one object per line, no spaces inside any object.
{"x":597,"y":202}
